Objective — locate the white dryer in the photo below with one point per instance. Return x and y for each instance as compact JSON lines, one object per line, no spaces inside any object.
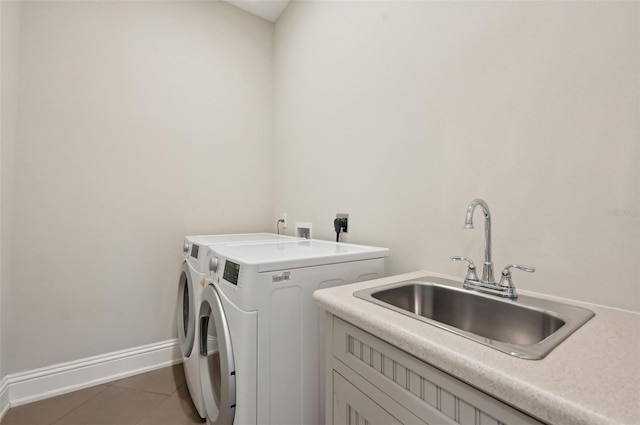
{"x":190,"y":285}
{"x":261,"y":357}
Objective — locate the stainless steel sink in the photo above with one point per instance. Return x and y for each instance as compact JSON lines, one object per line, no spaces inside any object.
{"x":528,"y":328}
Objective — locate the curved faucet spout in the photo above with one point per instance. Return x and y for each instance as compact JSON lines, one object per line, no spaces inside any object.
{"x":487,"y":270}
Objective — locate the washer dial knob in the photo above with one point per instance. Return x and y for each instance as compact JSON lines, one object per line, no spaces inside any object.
{"x":214,"y":263}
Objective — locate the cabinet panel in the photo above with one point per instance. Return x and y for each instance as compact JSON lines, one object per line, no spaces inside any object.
{"x":396,"y":409}
{"x":352,"y":407}
{"x":422,"y":389}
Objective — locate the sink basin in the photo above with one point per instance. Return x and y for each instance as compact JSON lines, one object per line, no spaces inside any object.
{"x":528,"y":328}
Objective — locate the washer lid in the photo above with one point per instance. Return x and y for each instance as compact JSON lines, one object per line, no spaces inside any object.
{"x":272,"y":256}
{"x":195,"y":246}
{"x":237,"y":237}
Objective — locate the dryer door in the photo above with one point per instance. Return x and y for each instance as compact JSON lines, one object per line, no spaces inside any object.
{"x":217,"y":366}
{"x":186,"y":316}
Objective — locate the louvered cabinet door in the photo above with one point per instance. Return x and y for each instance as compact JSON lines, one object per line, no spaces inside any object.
{"x":352,"y":407}
{"x":405,"y":388}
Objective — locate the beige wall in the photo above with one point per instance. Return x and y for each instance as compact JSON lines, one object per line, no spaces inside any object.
{"x":2,"y":125}
{"x":9,"y":29}
{"x":139,"y":122}
{"x":400,"y":113}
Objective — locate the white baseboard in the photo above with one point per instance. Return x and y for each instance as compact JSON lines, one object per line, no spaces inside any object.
{"x":38,"y":384}
{"x":4,"y":397}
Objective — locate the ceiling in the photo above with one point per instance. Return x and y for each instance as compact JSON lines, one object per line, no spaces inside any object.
{"x":267,"y":9}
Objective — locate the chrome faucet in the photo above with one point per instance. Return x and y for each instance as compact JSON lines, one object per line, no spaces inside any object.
{"x":487,"y":284}
{"x":487,"y":269}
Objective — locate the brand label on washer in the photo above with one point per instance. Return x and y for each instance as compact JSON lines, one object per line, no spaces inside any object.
{"x":281,"y":278}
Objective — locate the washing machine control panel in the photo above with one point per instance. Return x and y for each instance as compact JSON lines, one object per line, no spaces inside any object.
{"x":194,"y":250}
{"x":231,"y":272}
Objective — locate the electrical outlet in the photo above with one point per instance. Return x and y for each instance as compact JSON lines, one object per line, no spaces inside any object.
{"x":345,"y":227}
{"x":285,"y":223}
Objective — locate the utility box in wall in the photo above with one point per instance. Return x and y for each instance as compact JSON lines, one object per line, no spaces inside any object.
{"x":303,"y":230}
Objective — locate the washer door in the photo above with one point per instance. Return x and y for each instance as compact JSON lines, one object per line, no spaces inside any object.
{"x":186,"y":316}
{"x":217,"y":367}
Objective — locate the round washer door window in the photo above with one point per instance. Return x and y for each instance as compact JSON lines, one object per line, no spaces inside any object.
{"x":186,"y":317}
{"x":217,"y":366}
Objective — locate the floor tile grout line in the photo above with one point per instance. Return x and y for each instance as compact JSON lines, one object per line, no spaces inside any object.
{"x":78,"y":406}
{"x":152,"y":410}
{"x":105,"y":389}
{"x":149,"y":392}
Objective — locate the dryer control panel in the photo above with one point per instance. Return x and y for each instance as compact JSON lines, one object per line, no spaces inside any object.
{"x":231,"y":272}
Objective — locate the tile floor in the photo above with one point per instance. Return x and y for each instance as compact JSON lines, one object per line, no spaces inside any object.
{"x":159,"y":397}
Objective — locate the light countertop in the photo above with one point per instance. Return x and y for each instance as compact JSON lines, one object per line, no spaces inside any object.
{"x":593,"y":377}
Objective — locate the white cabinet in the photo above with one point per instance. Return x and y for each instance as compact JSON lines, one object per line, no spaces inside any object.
{"x":372,"y":382}
{"x":352,"y":407}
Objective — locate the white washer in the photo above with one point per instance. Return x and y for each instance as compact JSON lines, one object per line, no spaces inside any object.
{"x":190,"y":285}
{"x":261,"y":358}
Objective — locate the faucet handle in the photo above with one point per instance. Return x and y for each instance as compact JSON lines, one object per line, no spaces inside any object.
{"x":471,"y":270}
{"x":506,"y":281}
